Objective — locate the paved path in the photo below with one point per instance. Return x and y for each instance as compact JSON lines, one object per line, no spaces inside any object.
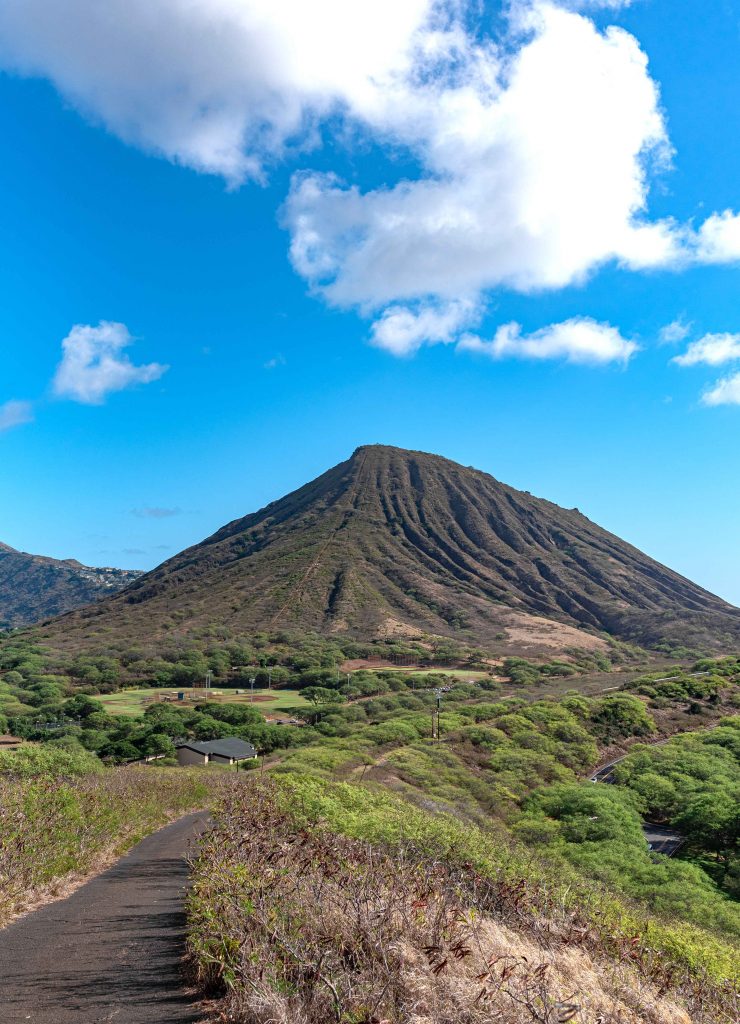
{"x":111,"y":951}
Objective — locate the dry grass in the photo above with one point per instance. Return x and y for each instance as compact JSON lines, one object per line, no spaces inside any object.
{"x":56,"y":833}
{"x":296,"y":925}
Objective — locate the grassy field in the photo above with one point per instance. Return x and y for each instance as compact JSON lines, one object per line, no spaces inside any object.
{"x":134,"y":702}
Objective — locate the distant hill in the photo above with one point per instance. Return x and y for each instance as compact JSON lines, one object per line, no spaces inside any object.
{"x":34,"y":587}
{"x":401,"y":542}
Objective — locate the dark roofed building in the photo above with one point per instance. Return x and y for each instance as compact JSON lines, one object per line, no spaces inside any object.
{"x":8,"y":742}
{"x":230,"y":750}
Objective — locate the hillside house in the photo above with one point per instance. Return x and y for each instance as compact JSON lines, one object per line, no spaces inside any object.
{"x":228,"y":751}
{"x":8,"y":742}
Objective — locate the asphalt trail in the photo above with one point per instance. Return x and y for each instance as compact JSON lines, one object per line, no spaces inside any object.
{"x":112,"y":950}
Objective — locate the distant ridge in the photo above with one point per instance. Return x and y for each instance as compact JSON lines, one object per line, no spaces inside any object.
{"x":35,"y":587}
{"x":394,"y":541}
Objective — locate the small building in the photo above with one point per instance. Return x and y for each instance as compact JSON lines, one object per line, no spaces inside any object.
{"x":8,"y":742}
{"x":226,"y":751}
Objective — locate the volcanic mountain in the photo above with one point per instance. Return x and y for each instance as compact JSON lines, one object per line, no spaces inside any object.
{"x":401,"y":542}
{"x":34,"y":587}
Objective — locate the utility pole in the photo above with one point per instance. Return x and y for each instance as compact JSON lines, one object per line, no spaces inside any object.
{"x":209,"y":676}
{"x":435,"y":711}
{"x":252,"y":681}
{"x":269,"y":679}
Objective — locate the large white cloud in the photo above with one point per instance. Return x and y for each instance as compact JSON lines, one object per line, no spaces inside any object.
{"x":579,"y":340}
{"x":218,"y":85}
{"x":536,"y":173}
{"x":534,"y":150}
{"x":94,"y":364}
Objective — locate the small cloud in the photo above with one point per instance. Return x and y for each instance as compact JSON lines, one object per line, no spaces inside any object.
{"x":674,"y":332}
{"x":93,"y":364}
{"x":725,"y":392}
{"x":15,"y":414}
{"x":155,"y":512}
{"x":134,"y":551}
{"x":579,"y":340}
{"x":718,"y":239}
{"x":273,"y":363}
{"x":402,"y":330}
{"x":711,"y":350}
{"x":162,"y":547}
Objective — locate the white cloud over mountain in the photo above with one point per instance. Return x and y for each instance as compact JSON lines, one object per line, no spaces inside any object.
{"x":534,"y":150}
{"x":579,"y":340}
{"x":94,"y":365}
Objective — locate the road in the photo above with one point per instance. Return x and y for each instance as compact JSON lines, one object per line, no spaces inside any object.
{"x":659,"y":839}
{"x":112,"y":950}
{"x":662,"y":840}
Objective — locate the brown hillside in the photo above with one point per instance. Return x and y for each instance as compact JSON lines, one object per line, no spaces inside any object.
{"x":34,"y":587}
{"x":393,"y":540}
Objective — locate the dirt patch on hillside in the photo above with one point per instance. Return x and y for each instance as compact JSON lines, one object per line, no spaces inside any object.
{"x":533,"y":631}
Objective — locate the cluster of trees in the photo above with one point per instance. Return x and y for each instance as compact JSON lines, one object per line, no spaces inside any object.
{"x":516,"y":761}
{"x":83,"y":724}
{"x":282,"y":657}
{"x":520,"y":671}
{"x":598,"y":829}
{"x":693,"y":784}
{"x":522,"y":763}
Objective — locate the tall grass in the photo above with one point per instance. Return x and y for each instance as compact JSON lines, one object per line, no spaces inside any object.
{"x":315,"y":902}
{"x":53,"y":827}
{"x":382,"y":817}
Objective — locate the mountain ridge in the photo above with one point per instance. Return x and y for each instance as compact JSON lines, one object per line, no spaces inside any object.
{"x":392,"y":539}
{"x":35,"y":587}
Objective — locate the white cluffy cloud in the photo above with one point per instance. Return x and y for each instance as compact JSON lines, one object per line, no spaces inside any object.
{"x":711,"y":350}
{"x":222,"y":86}
{"x":15,"y":414}
{"x":715,"y":350}
{"x":536,"y":162}
{"x":724,"y":392}
{"x":94,"y":365}
{"x":533,"y":151}
{"x":718,"y":239}
{"x":402,"y":330}
{"x":536,"y":173}
{"x":579,"y":340}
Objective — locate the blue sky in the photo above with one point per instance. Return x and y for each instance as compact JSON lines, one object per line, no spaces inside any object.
{"x":169,"y":204}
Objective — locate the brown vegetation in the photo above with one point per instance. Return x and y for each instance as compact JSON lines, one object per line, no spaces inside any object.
{"x":296,"y":925}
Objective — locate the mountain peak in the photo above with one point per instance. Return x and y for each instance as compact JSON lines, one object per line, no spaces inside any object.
{"x":396,"y":540}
